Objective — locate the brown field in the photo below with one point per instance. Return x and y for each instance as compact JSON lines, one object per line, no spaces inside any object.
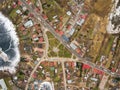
{"x":99,"y":7}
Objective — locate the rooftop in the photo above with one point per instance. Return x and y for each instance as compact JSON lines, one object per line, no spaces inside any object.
{"x":3,"y":85}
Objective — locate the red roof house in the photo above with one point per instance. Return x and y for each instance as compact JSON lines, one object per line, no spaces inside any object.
{"x":84,"y":16}
{"x":98,"y":71}
{"x":29,"y":2}
{"x":78,"y":50}
{"x":34,"y":75}
{"x":22,"y":28}
{"x":51,"y":64}
{"x":85,"y":66}
{"x":57,"y":31}
{"x":45,"y":17}
{"x":60,"y":25}
{"x":19,"y":2}
{"x":61,"y":18}
{"x":41,"y":39}
{"x":14,"y":5}
{"x":61,"y":33}
{"x":113,"y":70}
{"x":69,"y":26}
{"x":68,"y":76}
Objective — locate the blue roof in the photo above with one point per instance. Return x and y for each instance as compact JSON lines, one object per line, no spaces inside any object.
{"x":65,"y":38}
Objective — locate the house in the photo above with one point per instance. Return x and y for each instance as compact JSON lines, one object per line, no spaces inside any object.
{"x":24,"y":8}
{"x":68,"y":76}
{"x":71,"y":31}
{"x":14,"y":5}
{"x":37,"y":9}
{"x":45,"y":17}
{"x":94,"y":79}
{"x":18,"y":11}
{"x":56,"y":71}
{"x":3,"y":85}
{"x":41,"y":39}
{"x":69,"y":81}
{"x":98,"y":71}
{"x":19,"y":3}
{"x":22,"y":28}
{"x":84,"y":16}
{"x":28,"y":24}
{"x":57,"y":31}
{"x":102,"y":58}
{"x":65,"y":38}
{"x":61,"y":18}
{"x":29,"y":2}
{"x":61,"y":33}
{"x":73,"y":46}
{"x":78,"y":50}
{"x":55,"y":16}
{"x":85,"y":66}
{"x":68,"y":13}
{"x":68,"y":26}
{"x":60,"y":24}
{"x":81,"y":21}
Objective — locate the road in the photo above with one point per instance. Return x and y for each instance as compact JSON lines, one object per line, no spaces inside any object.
{"x":46,"y":42}
{"x":41,"y":9}
{"x":26,"y":88}
{"x":66,"y":44}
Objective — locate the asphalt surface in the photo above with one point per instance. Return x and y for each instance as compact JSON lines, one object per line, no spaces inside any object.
{"x":66,"y":44}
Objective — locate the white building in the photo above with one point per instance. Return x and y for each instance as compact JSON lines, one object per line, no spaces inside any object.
{"x":3,"y":85}
{"x":28,"y":24}
{"x":68,"y":13}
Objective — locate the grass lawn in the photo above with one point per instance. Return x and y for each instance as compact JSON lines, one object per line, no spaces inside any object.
{"x":34,"y":1}
{"x":53,"y":42}
{"x":50,"y":35}
{"x":109,"y":61}
{"x":64,"y":52}
{"x":52,"y":54}
{"x":74,"y":57}
{"x":51,"y":9}
{"x":109,"y":45}
{"x":13,"y":13}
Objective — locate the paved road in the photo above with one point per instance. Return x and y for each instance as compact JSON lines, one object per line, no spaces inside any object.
{"x":66,"y":44}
